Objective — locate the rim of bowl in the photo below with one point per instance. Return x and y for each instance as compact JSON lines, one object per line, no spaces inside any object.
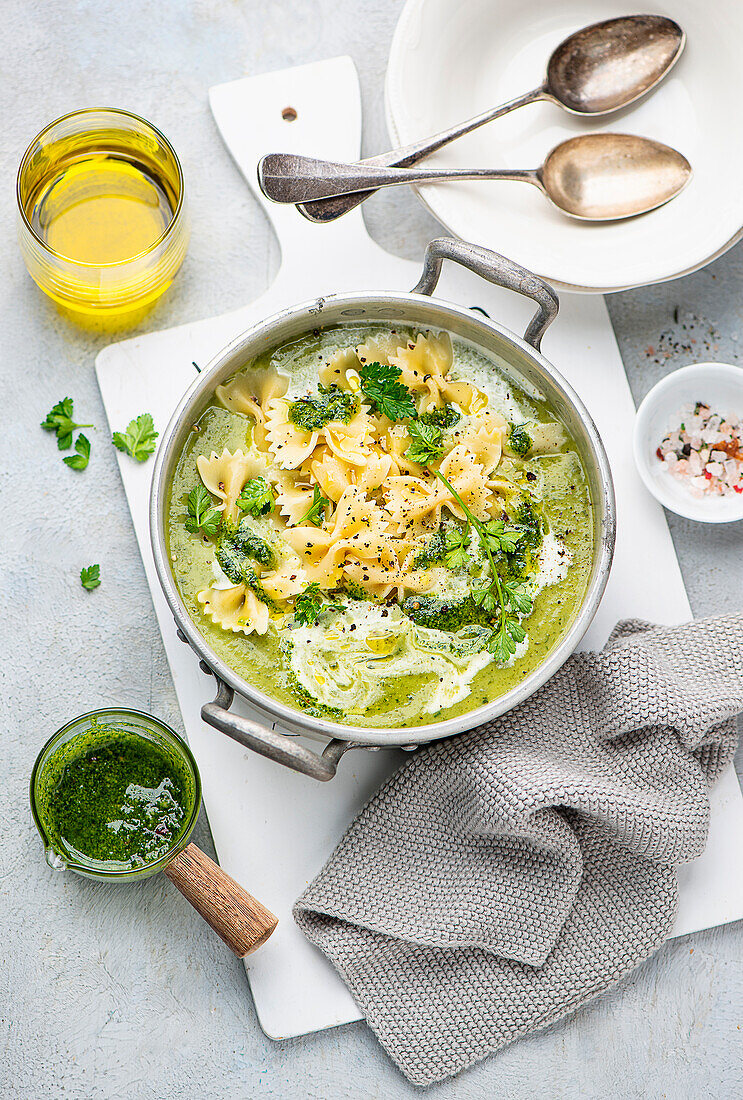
{"x":136,"y":255}
{"x":647,"y":406}
{"x":129,"y":872}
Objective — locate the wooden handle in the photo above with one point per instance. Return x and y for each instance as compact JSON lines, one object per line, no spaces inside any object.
{"x":241,"y":921}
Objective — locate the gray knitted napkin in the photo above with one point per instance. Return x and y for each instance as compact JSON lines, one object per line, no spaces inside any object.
{"x":502,"y":878}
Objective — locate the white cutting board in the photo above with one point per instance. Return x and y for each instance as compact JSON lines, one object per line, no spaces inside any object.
{"x":273,"y":828}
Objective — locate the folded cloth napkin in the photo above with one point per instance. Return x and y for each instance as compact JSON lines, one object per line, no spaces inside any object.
{"x":502,"y":878}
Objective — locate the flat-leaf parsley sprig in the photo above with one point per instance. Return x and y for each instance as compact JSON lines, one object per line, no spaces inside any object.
{"x":310,"y":604}
{"x":139,"y":438}
{"x":508,"y":598}
{"x":317,"y":509}
{"x":59,"y":420}
{"x":79,"y":460}
{"x":90,"y":576}
{"x":426,"y":442}
{"x":257,"y":497}
{"x":380,"y":384}
{"x":202,"y":515}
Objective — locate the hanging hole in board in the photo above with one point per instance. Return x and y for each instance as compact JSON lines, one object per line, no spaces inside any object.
{"x":289,"y":114}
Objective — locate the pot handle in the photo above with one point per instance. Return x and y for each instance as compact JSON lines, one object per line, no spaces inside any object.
{"x":267,"y":742}
{"x":496,"y":269}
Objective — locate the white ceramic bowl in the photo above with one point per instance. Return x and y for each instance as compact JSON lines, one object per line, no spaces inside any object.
{"x":450,"y":60}
{"x":719,"y":385}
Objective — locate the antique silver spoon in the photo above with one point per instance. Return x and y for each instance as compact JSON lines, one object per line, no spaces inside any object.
{"x":595,"y":71}
{"x":595,"y":177}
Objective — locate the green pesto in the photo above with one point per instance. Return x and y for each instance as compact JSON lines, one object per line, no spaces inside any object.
{"x":446,"y":614}
{"x":565,"y":510}
{"x":115,"y":797}
{"x":237,"y":546}
{"x":433,"y":551}
{"x":444,"y":417}
{"x":331,"y":403}
{"x":519,"y":439}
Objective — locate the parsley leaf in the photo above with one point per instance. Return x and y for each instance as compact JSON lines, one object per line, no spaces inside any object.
{"x":519,"y":597}
{"x":90,"y":577}
{"x":309,"y":605}
{"x":501,"y":537}
{"x":80,"y":460}
{"x":484,"y":596}
{"x":59,"y":420}
{"x":256,"y":497}
{"x":426,"y":445}
{"x":139,"y":438}
{"x":317,"y":509}
{"x":494,"y":595}
{"x":201,"y":512}
{"x":381,"y":386}
{"x":456,"y":543}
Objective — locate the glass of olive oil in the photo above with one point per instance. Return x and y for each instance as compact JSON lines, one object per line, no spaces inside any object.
{"x":102,"y":227}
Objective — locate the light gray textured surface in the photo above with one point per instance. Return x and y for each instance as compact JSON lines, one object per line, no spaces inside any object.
{"x":109,"y":992}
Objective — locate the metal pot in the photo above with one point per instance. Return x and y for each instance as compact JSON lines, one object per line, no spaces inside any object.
{"x":524,"y":362}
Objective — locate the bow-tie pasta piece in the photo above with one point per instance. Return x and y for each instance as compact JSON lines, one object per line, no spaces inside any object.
{"x":288,"y":444}
{"x":225,"y":475}
{"x":341,"y":369}
{"x":236,"y":609}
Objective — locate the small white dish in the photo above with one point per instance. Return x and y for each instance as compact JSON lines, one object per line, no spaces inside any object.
{"x":450,"y":61}
{"x":719,"y":385}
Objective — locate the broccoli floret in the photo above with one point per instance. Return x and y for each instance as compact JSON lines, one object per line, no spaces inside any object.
{"x":433,"y":551}
{"x":332,"y":403}
{"x":445,"y":417}
{"x":519,"y":439}
{"x":445,"y":614}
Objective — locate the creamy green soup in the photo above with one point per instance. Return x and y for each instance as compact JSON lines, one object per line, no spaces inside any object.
{"x":378,"y":527}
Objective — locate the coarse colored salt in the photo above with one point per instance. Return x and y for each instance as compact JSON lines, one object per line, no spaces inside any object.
{"x":704,"y":451}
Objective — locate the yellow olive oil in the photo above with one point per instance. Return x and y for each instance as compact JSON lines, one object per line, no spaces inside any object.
{"x":103,"y":228}
{"x":100,"y":210}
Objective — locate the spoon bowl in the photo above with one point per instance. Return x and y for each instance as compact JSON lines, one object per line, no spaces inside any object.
{"x":594,"y":71}
{"x":593,"y":177}
{"x":606,"y":177}
{"x":607,"y":66}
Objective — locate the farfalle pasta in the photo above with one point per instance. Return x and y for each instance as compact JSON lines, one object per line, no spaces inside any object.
{"x":386,"y":502}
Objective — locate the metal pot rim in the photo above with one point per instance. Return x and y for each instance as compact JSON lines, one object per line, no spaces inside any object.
{"x":276,"y":711}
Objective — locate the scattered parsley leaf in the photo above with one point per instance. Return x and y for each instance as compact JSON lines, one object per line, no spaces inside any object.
{"x":80,"y":460}
{"x":316,"y":512}
{"x":257,"y":497}
{"x":202,"y":515}
{"x":139,"y":438}
{"x":309,"y":605}
{"x":90,"y":577}
{"x":381,"y":386}
{"x":456,"y":543}
{"x":59,"y":420}
{"x":426,"y":445}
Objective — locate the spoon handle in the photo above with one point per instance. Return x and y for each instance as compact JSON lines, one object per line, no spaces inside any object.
{"x":290,"y":178}
{"x":241,"y":921}
{"x":327,"y":210}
